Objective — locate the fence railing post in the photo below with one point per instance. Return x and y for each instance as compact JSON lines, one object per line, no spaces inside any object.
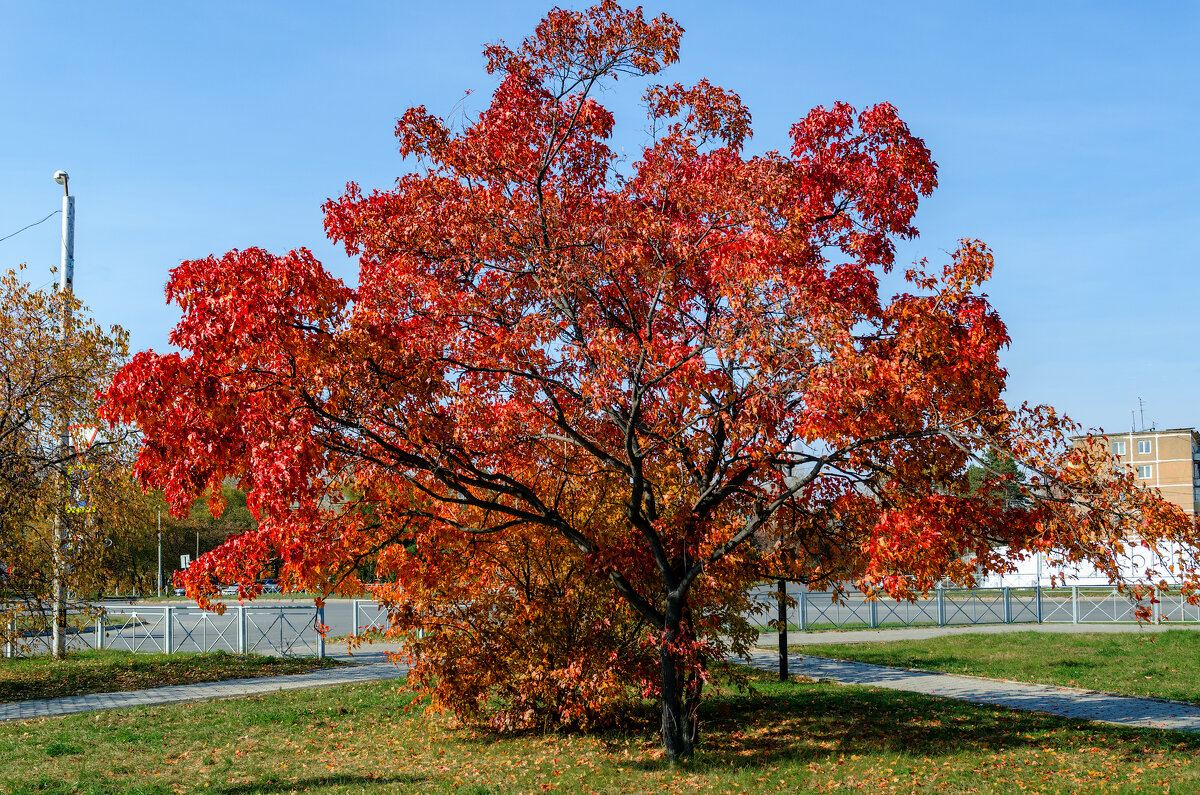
{"x":1007,"y":605}
{"x":803,"y":605}
{"x":241,"y":629}
{"x":941,"y":606}
{"x":872,"y":612}
{"x":354,"y":618}
{"x":1156,"y":611}
{"x":1037,"y":595}
{"x":168,"y":639}
{"x":10,"y":649}
{"x":1074,"y":604}
{"x":99,"y":630}
{"x":321,"y":632}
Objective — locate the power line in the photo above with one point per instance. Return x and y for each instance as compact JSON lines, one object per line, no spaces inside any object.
{"x":35,"y":223}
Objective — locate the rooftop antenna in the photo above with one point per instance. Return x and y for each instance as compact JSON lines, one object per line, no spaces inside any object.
{"x":1142,"y":412}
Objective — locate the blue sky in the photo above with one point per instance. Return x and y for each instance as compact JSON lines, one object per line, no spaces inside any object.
{"x":1066,"y":136}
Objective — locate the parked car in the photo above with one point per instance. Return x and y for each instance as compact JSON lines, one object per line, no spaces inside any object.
{"x":271,"y":586}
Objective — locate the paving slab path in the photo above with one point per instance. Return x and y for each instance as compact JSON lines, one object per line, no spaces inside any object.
{"x":1068,"y":702}
{"x":372,"y":665}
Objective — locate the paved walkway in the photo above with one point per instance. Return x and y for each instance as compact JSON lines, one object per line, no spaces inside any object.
{"x":372,"y":665}
{"x":1068,"y":702}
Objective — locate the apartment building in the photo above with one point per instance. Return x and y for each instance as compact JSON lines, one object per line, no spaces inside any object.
{"x":1167,"y":460}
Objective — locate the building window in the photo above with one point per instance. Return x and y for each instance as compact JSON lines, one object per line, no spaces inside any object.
{"x":1145,"y":471}
{"x":1119,"y":448}
{"x":1143,"y":447}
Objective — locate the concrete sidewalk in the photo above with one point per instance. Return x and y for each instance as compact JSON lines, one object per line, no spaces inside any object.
{"x":1067,"y":702}
{"x":370,"y":665}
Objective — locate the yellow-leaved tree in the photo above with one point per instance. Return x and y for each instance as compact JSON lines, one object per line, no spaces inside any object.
{"x":54,"y":359}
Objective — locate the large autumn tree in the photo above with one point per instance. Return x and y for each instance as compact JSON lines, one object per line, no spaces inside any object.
{"x":658,"y":377}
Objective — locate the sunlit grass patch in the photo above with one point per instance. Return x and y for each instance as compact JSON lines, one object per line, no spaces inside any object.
{"x":1159,"y":664}
{"x":795,"y":737}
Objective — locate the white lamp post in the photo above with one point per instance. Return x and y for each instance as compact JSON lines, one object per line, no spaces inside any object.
{"x":66,"y":278}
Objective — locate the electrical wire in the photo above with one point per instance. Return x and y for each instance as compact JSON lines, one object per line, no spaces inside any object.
{"x":30,"y":226}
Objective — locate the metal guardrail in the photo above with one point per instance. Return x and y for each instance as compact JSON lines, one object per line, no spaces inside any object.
{"x":367,"y":618}
{"x":290,"y":630}
{"x":282,"y":630}
{"x":817,"y":610}
{"x":36,"y":638}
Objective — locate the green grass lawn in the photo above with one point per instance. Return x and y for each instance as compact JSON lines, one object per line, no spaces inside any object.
{"x":111,"y":671}
{"x":797,"y":737}
{"x":1163,"y":665}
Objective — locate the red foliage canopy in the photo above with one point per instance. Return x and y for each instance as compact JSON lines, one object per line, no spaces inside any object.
{"x":684,"y":373}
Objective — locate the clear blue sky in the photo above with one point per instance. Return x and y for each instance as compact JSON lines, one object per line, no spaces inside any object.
{"x":1066,"y":135}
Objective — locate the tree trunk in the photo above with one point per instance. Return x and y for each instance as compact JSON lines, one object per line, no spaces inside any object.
{"x":782,"y":629}
{"x":680,"y":691}
{"x":58,"y":596}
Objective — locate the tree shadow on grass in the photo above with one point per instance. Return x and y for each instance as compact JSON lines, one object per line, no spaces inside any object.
{"x":953,"y":663}
{"x":1075,"y":664}
{"x":804,"y":723}
{"x":300,"y":785}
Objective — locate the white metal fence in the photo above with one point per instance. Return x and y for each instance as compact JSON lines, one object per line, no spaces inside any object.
{"x":368,"y":617}
{"x":291,"y":630}
{"x":371,"y":619}
{"x":815,"y":610}
{"x":280,"y":630}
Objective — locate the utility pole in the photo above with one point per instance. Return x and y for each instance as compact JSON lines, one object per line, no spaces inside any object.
{"x":66,"y":278}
